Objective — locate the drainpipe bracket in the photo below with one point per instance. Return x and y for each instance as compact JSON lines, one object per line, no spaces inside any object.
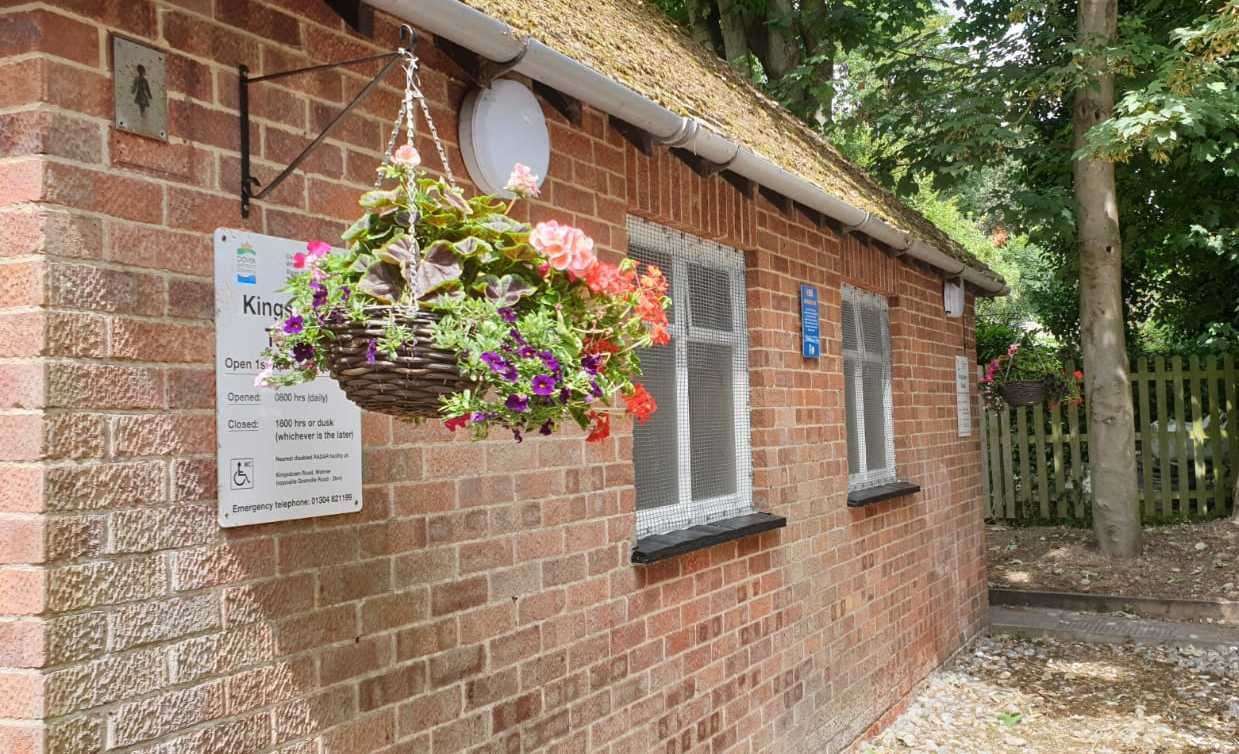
{"x":700,"y":165}
{"x":490,"y":70}
{"x":849,"y":228}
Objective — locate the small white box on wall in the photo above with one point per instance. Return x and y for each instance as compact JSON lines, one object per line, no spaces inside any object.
{"x":953,"y":298}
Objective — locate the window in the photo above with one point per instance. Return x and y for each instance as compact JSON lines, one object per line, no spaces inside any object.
{"x":867,"y":389}
{"x":692,"y":458}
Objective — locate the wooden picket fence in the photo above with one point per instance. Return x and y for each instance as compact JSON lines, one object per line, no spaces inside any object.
{"x":1035,"y":458}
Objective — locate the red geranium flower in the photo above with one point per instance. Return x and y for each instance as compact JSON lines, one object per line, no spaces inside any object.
{"x":600,"y":345}
{"x":640,"y":404}
{"x":600,"y":429}
{"x":456,"y":422}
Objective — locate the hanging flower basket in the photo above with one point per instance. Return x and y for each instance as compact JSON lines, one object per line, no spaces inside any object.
{"x":446,"y":306}
{"x":1023,"y":392}
{"x":1029,"y":373}
{"x":409,"y":382}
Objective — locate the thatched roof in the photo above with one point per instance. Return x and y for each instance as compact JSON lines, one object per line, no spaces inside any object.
{"x":635,"y":44}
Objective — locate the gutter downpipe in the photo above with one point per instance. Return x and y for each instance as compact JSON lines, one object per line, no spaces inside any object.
{"x":495,"y":40}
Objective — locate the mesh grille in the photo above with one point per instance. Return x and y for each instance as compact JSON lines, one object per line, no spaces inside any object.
{"x":692,"y":458}
{"x":867,"y":373}
{"x":712,"y":433}
{"x":657,"y":481}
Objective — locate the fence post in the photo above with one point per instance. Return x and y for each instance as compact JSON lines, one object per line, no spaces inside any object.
{"x":1217,"y":449}
{"x":1163,"y":438}
{"x":1232,"y":424}
{"x":1056,"y":448}
{"x":1043,"y":493}
{"x":1147,"y":494}
{"x":986,"y":486}
{"x":1008,"y":468}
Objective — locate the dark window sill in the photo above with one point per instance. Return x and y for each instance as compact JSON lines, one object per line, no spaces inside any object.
{"x":657,"y":547}
{"x":871,"y":495}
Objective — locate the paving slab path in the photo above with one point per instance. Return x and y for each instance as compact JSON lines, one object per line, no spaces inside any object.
{"x":1109,"y":628}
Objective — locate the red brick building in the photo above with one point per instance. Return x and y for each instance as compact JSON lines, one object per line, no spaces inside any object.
{"x":485,"y":599}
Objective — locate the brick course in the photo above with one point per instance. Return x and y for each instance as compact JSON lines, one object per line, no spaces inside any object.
{"x":483,"y":600}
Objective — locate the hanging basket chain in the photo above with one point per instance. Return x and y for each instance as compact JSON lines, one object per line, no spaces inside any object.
{"x":407,"y":116}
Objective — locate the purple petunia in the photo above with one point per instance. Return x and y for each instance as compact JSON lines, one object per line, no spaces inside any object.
{"x":517,"y":402}
{"x":508,"y":314}
{"x":549,"y":361}
{"x":372,"y":351}
{"x":526,"y":352}
{"x":590,"y":363}
{"x":481,"y":416}
{"x":546,"y":428}
{"x":320,"y":295}
{"x":543,"y":384}
{"x":345,"y":293}
{"x":515,"y":335}
{"x":594,"y":390}
{"x":293,"y":324}
{"x":303,"y":352}
{"x":499,"y":365}
{"x":564,"y":394}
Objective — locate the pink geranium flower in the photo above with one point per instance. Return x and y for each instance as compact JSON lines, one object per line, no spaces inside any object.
{"x":522,"y":182}
{"x":566,"y":248}
{"x":406,"y":156}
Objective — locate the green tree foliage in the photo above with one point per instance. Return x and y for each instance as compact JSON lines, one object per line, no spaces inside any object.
{"x":977,"y":99}
{"x":792,"y":47}
{"x":994,"y":85}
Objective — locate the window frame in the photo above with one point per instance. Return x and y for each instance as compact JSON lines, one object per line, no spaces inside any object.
{"x":683,"y":250}
{"x":866,"y":478}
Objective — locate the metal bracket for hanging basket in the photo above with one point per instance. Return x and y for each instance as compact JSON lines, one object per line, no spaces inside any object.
{"x":248,"y":182}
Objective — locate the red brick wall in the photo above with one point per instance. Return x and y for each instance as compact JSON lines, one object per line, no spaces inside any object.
{"x":483,"y":599}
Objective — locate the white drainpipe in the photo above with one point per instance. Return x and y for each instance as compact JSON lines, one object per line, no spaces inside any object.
{"x":494,"y":40}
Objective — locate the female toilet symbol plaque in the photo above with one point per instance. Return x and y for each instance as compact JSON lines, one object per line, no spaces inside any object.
{"x":139,"y":93}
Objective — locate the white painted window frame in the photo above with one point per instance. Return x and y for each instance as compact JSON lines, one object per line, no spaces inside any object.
{"x":864,"y":300}
{"x":684,"y":250}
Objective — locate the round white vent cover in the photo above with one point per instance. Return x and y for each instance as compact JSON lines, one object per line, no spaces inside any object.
{"x":499,"y":127}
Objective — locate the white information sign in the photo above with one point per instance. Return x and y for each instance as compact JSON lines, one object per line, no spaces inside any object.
{"x":963,"y":395}
{"x":289,"y":453}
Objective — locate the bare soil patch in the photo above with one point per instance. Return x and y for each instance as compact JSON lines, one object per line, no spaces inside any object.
{"x":1185,"y":561}
{"x":1014,"y":695}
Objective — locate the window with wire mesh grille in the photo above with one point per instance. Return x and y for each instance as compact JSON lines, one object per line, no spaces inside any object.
{"x":692,"y":458}
{"x":867,"y":389}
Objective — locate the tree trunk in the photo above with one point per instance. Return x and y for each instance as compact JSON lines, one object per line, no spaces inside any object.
{"x":699,"y":22}
{"x":1111,"y":419}
{"x":735,"y":33}
{"x":783,"y":48}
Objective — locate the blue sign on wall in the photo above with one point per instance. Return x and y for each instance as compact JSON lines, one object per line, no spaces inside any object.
{"x":810,"y":327}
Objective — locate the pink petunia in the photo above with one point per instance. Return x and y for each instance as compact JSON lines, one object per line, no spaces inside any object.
{"x":566,"y":248}
{"x":315,"y":250}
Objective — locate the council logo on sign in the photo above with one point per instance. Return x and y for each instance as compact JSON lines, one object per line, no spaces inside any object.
{"x":247,"y":265}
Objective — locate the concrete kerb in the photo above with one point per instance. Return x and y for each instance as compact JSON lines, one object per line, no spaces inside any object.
{"x":1217,"y":611}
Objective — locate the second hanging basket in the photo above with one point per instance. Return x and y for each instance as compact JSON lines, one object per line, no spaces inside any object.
{"x":1023,"y":392}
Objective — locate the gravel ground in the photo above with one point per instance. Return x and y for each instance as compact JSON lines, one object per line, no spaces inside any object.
{"x":1186,"y":561}
{"x":1013,"y":695}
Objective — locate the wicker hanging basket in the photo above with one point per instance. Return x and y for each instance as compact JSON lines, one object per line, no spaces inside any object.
{"x":409,"y":385}
{"x":1023,"y":392}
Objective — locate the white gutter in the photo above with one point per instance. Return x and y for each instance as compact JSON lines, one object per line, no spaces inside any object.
{"x":495,"y":40}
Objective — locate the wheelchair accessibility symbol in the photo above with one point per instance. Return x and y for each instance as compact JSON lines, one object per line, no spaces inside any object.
{"x":241,"y":473}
